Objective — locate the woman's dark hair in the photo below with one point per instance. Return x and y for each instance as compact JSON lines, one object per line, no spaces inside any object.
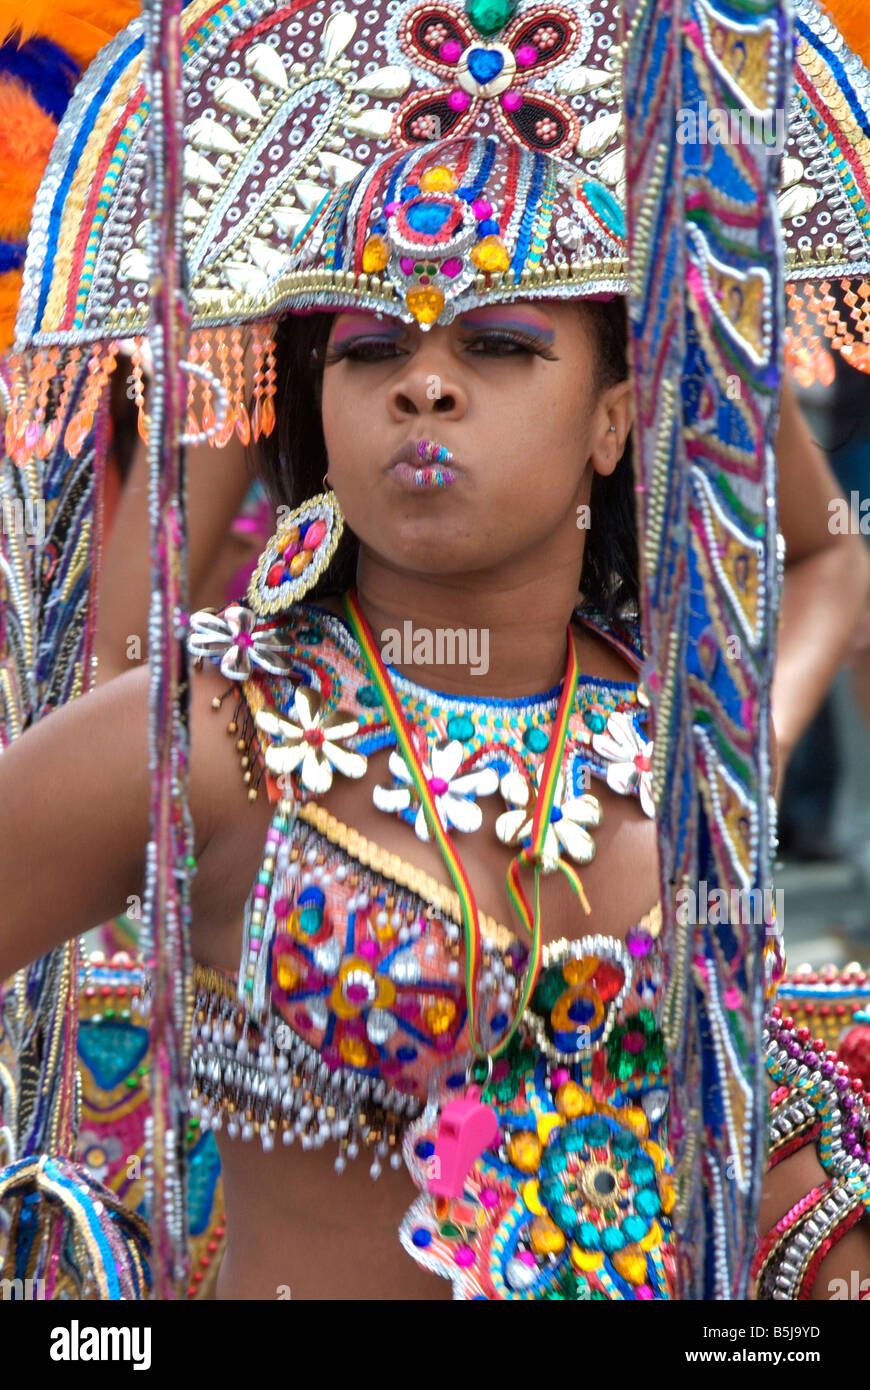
{"x":292,"y":460}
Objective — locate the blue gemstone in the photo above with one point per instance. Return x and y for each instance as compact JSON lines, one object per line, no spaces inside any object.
{"x":412,"y":191}
{"x":467,"y":194}
{"x":456,"y":1079}
{"x":555,"y":814}
{"x":311,"y":897}
{"x":422,"y":1237}
{"x":581,"y":1010}
{"x":488,"y":227}
{"x":429,"y":218}
{"x":406,"y":1054}
{"x":484,"y":64}
{"x":499,"y":1023}
{"x":424,"y":1148}
{"x":606,"y":206}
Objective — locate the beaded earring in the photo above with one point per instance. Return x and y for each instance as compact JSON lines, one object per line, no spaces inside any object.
{"x":297,"y":555}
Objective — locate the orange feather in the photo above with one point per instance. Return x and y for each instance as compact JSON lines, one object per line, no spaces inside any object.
{"x":850,"y":17}
{"x":28,"y":135}
{"x":80,"y":27}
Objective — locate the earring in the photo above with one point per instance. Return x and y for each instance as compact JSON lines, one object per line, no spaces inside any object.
{"x":297,"y":555}
{"x":612,"y":429}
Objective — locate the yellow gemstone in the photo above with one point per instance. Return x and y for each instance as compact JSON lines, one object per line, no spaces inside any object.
{"x":354,"y":1052}
{"x":668,"y":1194}
{"x":586,"y":1259}
{"x":545,"y":1236}
{"x":634,"y":1117}
{"x":630,"y":1264}
{"x":657,"y":1154}
{"x":654,"y":1236}
{"x":425,"y":303}
{"x":438,"y":180}
{"x":546,"y":1124}
{"x":440,"y":1015}
{"x":524,"y":1151}
{"x":375,"y":255}
{"x":572,"y":1100}
{"x":288,"y":975}
{"x":301,"y":562}
{"x":491,"y":255}
{"x":532,"y":1197}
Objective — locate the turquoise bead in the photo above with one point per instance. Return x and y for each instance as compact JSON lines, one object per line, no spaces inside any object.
{"x":588,"y":1236}
{"x":368,"y":696}
{"x":612,"y":1240}
{"x":460,"y":726}
{"x":536,"y":740}
{"x":594,"y":721}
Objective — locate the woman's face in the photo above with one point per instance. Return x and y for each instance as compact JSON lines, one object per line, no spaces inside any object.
{"x":503,"y":402}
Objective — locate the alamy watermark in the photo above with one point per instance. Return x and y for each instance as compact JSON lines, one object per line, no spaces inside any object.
{"x":718,"y":906}
{"x":704,"y":125}
{"x":19,"y":518}
{"x":446,"y":646}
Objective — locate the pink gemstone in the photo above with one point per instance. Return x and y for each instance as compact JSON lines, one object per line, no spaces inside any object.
{"x":732,"y":998}
{"x":633,"y":1042}
{"x":482,"y":208}
{"x":527,"y":1258}
{"x":292,"y":549}
{"x":643,"y":1291}
{"x":244,"y":639}
{"x":368,"y":949}
{"x":639,"y":944}
{"x":260,"y":891}
{"x":407,"y":265}
{"x":459,"y":101}
{"x":561,"y":1076}
{"x":356,"y":994}
{"x":488,"y":1197}
{"x":391,"y":209}
{"x":314,"y":535}
{"x":450,"y":51}
{"x":438,"y":786}
{"x":424,"y":279}
{"x":512,"y":101}
{"x":526,"y":55}
{"x":281,"y":906}
{"x":451,"y":268}
{"x":464,"y":1256}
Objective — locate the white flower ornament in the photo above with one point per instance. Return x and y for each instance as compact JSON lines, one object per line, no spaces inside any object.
{"x":241,"y":644}
{"x":311,"y":742}
{"x":453,"y":795}
{"x":568,"y":819}
{"x":629,"y":758}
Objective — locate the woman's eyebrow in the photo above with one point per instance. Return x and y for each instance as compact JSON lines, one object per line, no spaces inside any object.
{"x":509,"y":317}
{"x":368,"y":328}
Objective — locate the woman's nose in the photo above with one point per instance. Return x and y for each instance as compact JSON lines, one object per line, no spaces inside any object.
{"x":427,"y":388}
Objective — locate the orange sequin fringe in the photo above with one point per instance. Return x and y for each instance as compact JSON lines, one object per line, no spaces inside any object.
{"x":816,"y":315}
{"x":43,"y":382}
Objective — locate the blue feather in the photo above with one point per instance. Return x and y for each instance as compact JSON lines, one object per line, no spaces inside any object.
{"x":44,"y":67}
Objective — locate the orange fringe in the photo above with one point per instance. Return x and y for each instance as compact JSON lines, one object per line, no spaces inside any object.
{"x":28,"y":135}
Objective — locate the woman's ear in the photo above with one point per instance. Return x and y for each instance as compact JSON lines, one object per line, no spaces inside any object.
{"x":611,"y":422}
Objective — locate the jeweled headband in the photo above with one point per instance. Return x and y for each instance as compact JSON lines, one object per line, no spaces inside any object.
{"x":284,"y":103}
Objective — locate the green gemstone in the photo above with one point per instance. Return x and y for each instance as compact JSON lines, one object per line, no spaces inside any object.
{"x":536,"y":740}
{"x":594,"y":721}
{"x":449,"y":1231}
{"x":460,"y":726}
{"x":368,"y":696}
{"x":490,"y":16}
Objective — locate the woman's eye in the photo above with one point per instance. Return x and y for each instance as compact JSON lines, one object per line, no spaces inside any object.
{"x":364,"y":350}
{"x":497,"y":344}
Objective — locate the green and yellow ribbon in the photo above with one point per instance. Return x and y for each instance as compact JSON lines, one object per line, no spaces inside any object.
{"x":532,"y":855}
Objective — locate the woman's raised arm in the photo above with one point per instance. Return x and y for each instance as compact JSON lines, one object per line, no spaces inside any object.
{"x":75,"y":814}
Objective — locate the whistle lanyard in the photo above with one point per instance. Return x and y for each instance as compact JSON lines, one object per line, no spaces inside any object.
{"x":532,"y":855}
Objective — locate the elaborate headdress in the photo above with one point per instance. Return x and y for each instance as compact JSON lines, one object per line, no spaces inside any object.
{"x":417,"y":157}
